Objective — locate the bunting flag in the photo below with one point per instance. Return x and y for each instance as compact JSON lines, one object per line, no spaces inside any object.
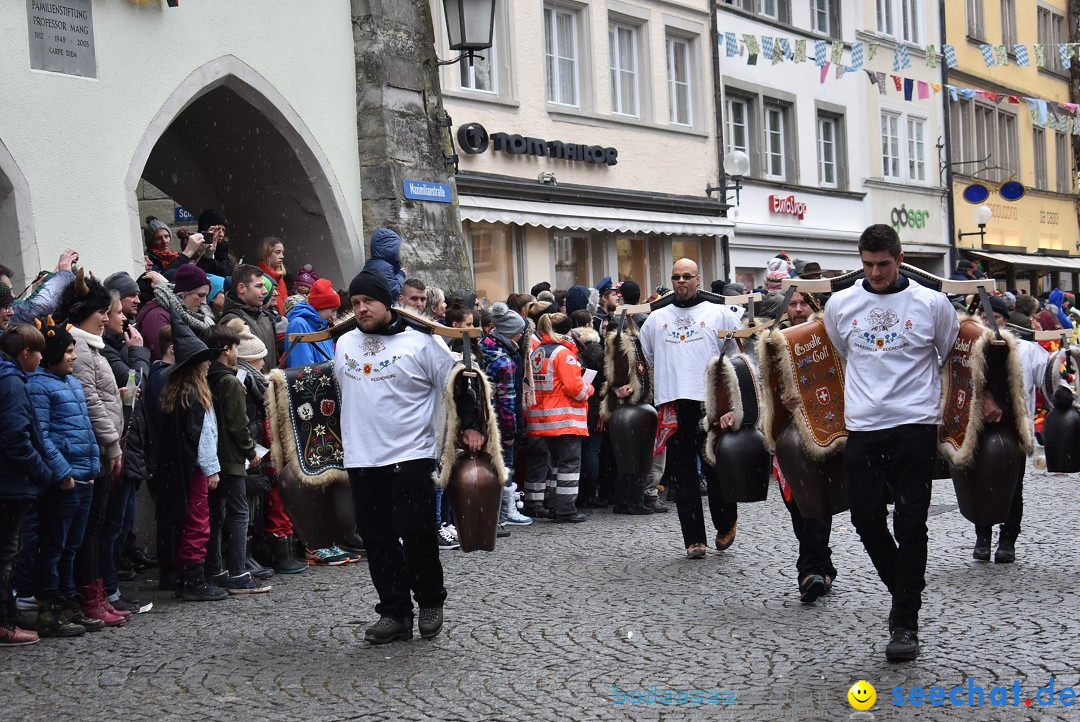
{"x":1033,"y":108}
{"x":898,"y":82}
{"x":953,"y":92}
{"x":881,"y":82}
{"x":871,"y":75}
{"x":785,"y":48}
{"x":950,"y":55}
{"x":901,"y":58}
{"x":800,"y":50}
{"x":924,"y":90}
{"x":767,"y":47}
{"x":873,"y":51}
{"x":732,"y":44}
{"x":1065,"y":50}
{"x":1001,"y":55}
{"x":1014,"y":99}
{"x":1043,"y":110}
{"x":857,"y":55}
{"x":931,"y":56}
{"x":824,"y":71}
{"x":837,"y":52}
{"x":1040,"y":55}
{"x":778,"y":54}
{"x":819,"y":52}
{"x":1021,"y":55}
{"x":752,"y":48}
{"x":936,"y":87}
{"x":988,"y":55}
{"x":909,"y":86}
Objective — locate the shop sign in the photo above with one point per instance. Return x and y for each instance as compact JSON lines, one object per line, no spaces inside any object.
{"x":787,"y":206}
{"x":474,"y":139}
{"x":427,"y":191}
{"x":62,"y":36}
{"x":902,"y":217}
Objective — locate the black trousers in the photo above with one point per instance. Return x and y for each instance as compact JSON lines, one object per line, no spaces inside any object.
{"x":12,"y":512}
{"x":1011,"y":528}
{"x":228,"y":520}
{"x":682,"y":471}
{"x":398,"y":502}
{"x":901,"y":461}
{"x":88,"y":558}
{"x":815,"y":556}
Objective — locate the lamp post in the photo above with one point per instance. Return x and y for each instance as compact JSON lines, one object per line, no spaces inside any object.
{"x":736,"y":165}
{"x":981,"y":216}
{"x":469,"y":27}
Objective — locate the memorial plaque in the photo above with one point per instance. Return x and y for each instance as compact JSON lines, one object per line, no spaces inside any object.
{"x":62,"y":36}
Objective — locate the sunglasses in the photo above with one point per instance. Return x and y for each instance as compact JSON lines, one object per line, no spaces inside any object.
{"x":685,"y":277}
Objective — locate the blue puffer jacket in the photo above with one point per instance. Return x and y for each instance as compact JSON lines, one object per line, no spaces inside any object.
{"x":23,"y":471}
{"x":71,"y":449}
{"x":303,"y":318}
{"x":386,"y":259}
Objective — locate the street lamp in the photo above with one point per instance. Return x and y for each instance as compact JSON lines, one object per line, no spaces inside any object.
{"x":736,"y":165}
{"x":469,"y":26}
{"x":982,"y":216}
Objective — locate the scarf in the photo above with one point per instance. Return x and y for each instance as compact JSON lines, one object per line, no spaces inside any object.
{"x":199,"y":322}
{"x":163,"y":256}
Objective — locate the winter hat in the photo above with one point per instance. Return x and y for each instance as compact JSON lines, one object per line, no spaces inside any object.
{"x":733,"y":289}
{"x":306,"y":276}
{"x":373,"y":284}
{"x":187,"y":347}
{"x":1010,"y":299}
{"x":123,"y":284}
{"x":57,"y":341}
{"x":6,"y":297}
{"x":605,"y":285}
{"x":548,"y":307}
{"x":506,"y":321}
{"x":323,"y":295}
{"x":189,"y":277}
{"x":211,"y":217}
{"x":251,"y":347}
{"x":577,"y":298}
{"x":998,"y":306}
{"x":83,"y":298}
{"x":270,"y":286}
{"x":630,"y":292}
{"x":217,"y":285}
{"x":291,"y":301}
{"x":539,"y":288}
{"x":1027,"y":304}
{"x":153,"y":225}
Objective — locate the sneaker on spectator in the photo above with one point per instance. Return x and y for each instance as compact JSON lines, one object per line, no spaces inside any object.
{"x":218,"y":578}
{"x":16,"y":636}
{"x":448,"y":537}
{"x":350,"y":554}
{"x":26,"y":604}
{"x":354,"y":544}
{"x":125,"y":604}
{"x":245,"y":584}
{"x":328,"y":557}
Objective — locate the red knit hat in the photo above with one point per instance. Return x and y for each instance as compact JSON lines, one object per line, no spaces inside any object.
{"x":323,"y":295}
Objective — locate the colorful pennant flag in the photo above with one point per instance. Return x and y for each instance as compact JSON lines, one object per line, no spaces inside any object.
{"x":924,"y":90}
{"x":837,"y":52}
{"x":988,"y":55}
{"x":800,"y":50}
{"x":824,"y":71}
{"x":881,"y":82}
{"x":1001,"y":55}
{"x":950,"y":55}
{"x":1040,"y":55}
{"x":1021,"y":55}
{"x":909,"y":86}
{"x":931,"y":56}
{"x":819,"y":52}
{"x":857,"y":55}
{"x":873,"y":51}
{"x":1066,"y":52}
{"x":732,"y":44}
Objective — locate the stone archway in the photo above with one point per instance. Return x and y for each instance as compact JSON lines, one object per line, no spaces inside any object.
{"x":18,"y":249}
{"x":227,"y":139}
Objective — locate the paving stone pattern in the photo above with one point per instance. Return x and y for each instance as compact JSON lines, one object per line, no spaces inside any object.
{"x":547,"y":627}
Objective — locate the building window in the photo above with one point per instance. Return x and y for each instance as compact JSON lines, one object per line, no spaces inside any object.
{"x":886,"y":24}
{"x":960,"y":132}
{"x":1062,"y":166}
{"x":480,"y":74}
{"x":678,"y":72}
{"x":910,"y":12}
{"x":1008,"y":23}
{"x":976,"y":23}
{"x":1008,"y":139}
{"x":623,"y":41}
{"x":775,"y":128}
{"x":493,"y":259}
{"x":827,"y":151}
{"x":916,"y":149}
{"x":1038,"y":137}
{"x":900,"y":19}
{"x":985,"y":139}
{"x":823,"y":19}
{"x":747,"y":5}
{"x":1051,"y":30}
{"x":738,"y":124}
{"x":890,"y":145}
{"x":561,"y":55}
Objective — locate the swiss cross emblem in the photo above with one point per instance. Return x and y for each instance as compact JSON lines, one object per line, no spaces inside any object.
{"x":823,"y":396}
{"x":961,"y":398}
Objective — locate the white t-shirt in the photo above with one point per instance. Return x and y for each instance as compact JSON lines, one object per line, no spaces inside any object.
{"x":678,"y":343}
{"x":391,"y":395}
{"x":894,"y":344}
{"x":1033,"y":360}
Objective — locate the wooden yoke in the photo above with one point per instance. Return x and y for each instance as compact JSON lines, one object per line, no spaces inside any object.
{"x":839,"y":283}
{"x":668,"y":298}
{"x":418,"y":322}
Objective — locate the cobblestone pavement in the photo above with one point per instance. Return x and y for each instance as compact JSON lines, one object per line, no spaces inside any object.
{"x":549,"y":625}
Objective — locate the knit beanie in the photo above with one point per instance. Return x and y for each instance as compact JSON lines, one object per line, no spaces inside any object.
{"x":506,"y":321}
{"x":83,"y":298}
{"x":217,"y":285}
{"x":373,"y":284}
{"x":577,"y":298}
{"x":57,"y":341}
{"x":630,"y":292}
{"x":306,"y":276}
{"x":189,"y":277}
{"x":251,"y":347}
{"x":270,"y":286}
{"x":323,"y":296}
{"x":997,"y":305}
{"x":291,"y":301}
{"x":211,"y":217}
{"x":123,"y":284}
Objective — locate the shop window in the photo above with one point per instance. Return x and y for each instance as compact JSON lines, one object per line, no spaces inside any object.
{"x":632,"y":261}
{"x":572,"y":261}
{"x":493,"y":260}
{"x":623,"y":44}
{"x":561,"y":54}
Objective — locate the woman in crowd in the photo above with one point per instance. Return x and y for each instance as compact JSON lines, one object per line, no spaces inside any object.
{"x":272,"y":263}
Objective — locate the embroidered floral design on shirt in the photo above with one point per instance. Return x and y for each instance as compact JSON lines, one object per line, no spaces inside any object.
{"x":368,"y":368}
{"x":372,"y":346}
{"x":879,"y":332}
{"x":686,"y":329}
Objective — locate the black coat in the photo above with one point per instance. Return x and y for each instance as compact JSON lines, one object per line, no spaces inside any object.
{"x":178,"y":459}
{"x":123,"y":358}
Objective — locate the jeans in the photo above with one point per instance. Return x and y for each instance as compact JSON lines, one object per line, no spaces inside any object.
{"x":229,"y":518}
{"x":193,"y":533}
{"x":119,"y":518}
{"x":682,"y":470}
{"x":62,"y":516}
{"x":12,"y":512}
{"x":900,"y":461}
{"x":395,"y":514}
{"x":1010,"y":530}
{"x":88,"y":559}
{"x":24,"y":582}
{"x":815,"y":556}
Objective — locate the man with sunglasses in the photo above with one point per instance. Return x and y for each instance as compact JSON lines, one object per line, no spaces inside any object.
{"x":678,"y":339}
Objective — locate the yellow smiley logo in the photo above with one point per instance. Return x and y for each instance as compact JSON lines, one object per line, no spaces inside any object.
{"x":862,"y":695}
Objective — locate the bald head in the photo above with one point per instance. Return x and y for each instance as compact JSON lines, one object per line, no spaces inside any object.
{"x":685,"y":279}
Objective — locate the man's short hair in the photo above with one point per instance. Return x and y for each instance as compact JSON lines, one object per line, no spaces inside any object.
{"x":5,"y":271}
{"x":964,"y":265}
{"x":218,"y":336}
{"x":415,"y":283}
{"x":880,"y":237}
{"x":20,"y":336}
{"x":164,"y":338}
{"x":244,"y":273}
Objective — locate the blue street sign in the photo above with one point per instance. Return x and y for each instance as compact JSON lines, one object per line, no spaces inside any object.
{"x":426,"y":191}
{"x":182,"y":216}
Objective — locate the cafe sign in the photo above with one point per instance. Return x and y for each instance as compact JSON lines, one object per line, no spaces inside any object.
{"x":787,"y":206}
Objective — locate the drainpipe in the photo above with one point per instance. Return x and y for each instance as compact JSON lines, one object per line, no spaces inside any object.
{"x":954,"y":254}
{"x":718,"y":108}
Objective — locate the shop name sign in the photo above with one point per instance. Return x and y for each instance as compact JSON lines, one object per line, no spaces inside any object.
{"x":787,"y":206}
{"x":62,"y":36}
{"x":474,"y":139}
{"x":903,"y":217}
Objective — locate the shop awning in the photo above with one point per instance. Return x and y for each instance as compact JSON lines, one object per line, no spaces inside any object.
{"x":595,"y":218}
{"x":1068,"y":264}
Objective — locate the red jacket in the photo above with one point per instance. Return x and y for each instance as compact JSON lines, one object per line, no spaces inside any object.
{"x":562,"y":407}
{"x":279,"y":281}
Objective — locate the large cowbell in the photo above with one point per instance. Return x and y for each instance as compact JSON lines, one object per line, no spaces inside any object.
{"x":475,"y":494}
{"x":323,"y":515}
{"x":819,"y":486}
{"x":1061,"y":429}
{"x":743,"y":464}
{"x":632,"y":430}
{"x":984,"y":490}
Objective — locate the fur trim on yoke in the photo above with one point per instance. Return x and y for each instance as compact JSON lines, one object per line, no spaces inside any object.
{"x":451,"y":451}
{"x":720,"y":371}
{"x":283,"y":436}
{"x":587,"y":334}
{"x":622,"y":344}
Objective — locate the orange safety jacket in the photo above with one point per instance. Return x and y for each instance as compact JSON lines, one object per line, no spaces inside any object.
{"x":562,"y":407}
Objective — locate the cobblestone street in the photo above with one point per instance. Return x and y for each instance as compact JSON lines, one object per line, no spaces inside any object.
{"x":561,"y":619}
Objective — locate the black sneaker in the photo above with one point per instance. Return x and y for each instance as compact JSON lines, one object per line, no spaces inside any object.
{"x":657,"y":506}
{"x":139,"y":559}
{"x":1006,"y":551}
{"x":389,"y":629}
{"x":576,"y":518}
{"x":811,"y":587}
{"x":353,"y":544}
{"x":981,"y":552}
{"x":132,"y":605}
{"x":903,"y":645}
{"x":430,"y":622}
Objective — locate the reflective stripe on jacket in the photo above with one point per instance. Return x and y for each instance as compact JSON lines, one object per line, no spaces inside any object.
{"x":561,"y":407}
